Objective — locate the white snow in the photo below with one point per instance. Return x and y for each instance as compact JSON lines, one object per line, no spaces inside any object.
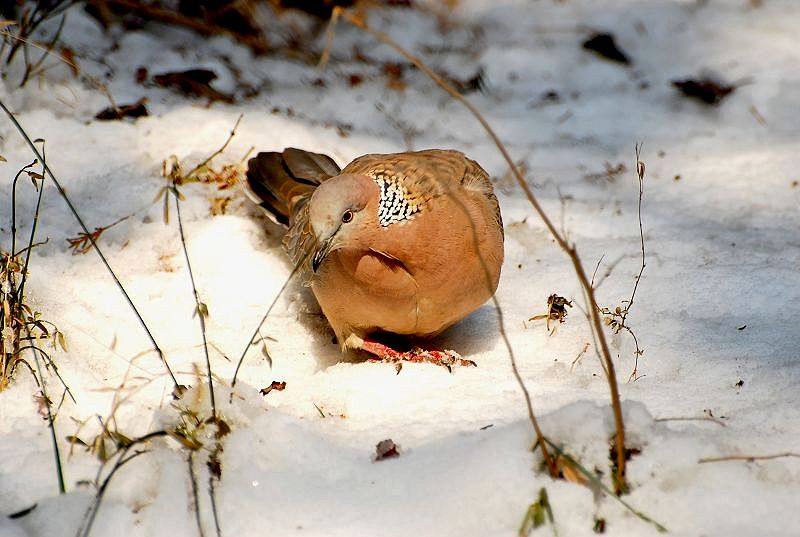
{"x":723,"y":251}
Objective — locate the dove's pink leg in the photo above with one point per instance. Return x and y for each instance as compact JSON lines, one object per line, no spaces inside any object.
{"x":387,"y":354}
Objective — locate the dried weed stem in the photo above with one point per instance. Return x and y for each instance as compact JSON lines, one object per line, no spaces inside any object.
{"x":201,"y":309}
{"x":749,"y":458}
{"x":122,"y":459}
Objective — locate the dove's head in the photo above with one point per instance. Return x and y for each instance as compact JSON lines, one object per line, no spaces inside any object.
{"x":337,"y":212}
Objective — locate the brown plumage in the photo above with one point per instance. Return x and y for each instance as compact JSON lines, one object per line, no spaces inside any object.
{"x":407,"y":243}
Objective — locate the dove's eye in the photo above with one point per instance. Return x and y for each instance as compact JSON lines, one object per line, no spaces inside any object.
{"x":347,"y":216}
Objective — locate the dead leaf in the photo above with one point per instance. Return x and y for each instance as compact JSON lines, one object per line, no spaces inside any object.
{"x":185,"y":439}
{"x":274,"y":385}
{"x":43,"y":404}
{"x":610,"y":174}
{"x":394,"y":75}
{"x":605,"y":45}
{"x":137,"y":109}
{"x":68,"y":56}
{"x":220,"y":205}
{"x":556,"y":310}
{"x":386,"y":449}
{"x":192,"y":82}
{"x":73,"y":439}
{"x":476,"y":82}
{"x":569,"y":472}
{"x":214,"y":465}
{"x":706,"y":90}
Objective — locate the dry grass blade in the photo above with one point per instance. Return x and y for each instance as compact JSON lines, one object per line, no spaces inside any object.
{"x":537,"y":514}
{"x":83,"y":242}
{"x":749,"y":458}
{"x":202,"y":312}
{"x":48,"y":411}
{"x":616,"y":319}
{"x":195,"y":497}
{"x":694,"y":418}
{"x":201,"y":308}
{"x":122,"y":458}
{"x":18,"y":322}
{"x":200,"y":167}
{"x":257,"y":331}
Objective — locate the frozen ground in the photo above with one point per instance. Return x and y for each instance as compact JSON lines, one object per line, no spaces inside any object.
{"x":716,"y":311}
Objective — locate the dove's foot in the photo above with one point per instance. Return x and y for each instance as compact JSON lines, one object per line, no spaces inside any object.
{"x":384,"y":353}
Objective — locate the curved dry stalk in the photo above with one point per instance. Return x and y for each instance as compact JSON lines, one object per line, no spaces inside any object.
{"x":256,"y":332}
{"x":749,"y":458}
{"x":693,"y":418}
{"x":51,"y":421}
{"x":195,"y":497}
{"x":200,"y":308}
{"x":217,"y":152}
{"x":569,"y":249}
{"x":122,"y":459}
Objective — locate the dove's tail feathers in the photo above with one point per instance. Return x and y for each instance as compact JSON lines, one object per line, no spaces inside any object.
{"x":281,"y":182}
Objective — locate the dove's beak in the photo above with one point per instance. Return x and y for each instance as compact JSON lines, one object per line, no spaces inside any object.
{"x":322,"y":251}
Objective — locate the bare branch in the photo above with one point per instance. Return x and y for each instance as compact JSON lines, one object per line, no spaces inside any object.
{"x":749,"y":458}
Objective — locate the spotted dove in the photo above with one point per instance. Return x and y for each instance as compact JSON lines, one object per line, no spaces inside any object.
{"x":405,"y":243}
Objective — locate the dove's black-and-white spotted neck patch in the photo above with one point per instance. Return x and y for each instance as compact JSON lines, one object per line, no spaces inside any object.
{"x":394,"y":205}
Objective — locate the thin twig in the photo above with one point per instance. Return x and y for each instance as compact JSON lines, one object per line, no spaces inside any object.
{"x":24,"y":169}
{"x":81,"y":244}
{"x":579,"y":356}
{"x":122,"y":459}
{"x":201,"y":311}
{"x":609,"y":269}
{"x":91,"y":514}
{"x":200,"y":307}
{"x":694,"y":418}
{"x":263,"y":320}
{"x":49,"y":362}
{"x":616,"y":318}
{"x":20,"y":292}
{"x":212,"y":495}
{"x":85,"y":229}
{"x":19,"y":295}
{"x":540,"y":438}
{"x":596,"y":267}
{"x":195,"y":497}
{"x":640,"y":176}
{"x":638,"y":352}
{"x":217,"y":152}
{"x":31,"y":247}
{"x":29,"y":25}
{"x":30,"y":69}
{"x":51,"y":424}
{"x":749,"y":458}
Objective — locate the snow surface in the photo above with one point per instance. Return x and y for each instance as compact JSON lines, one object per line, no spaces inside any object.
{"x":721,"y":227}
